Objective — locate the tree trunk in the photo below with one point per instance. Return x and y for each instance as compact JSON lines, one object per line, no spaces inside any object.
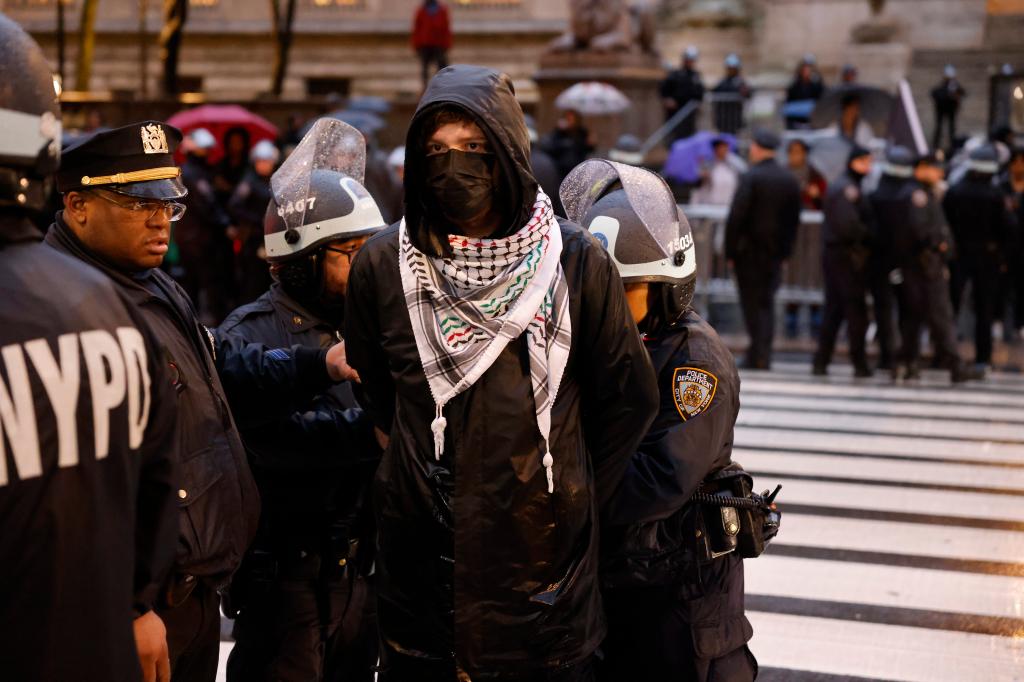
{"x":171,"y":35}
{"x":282,"y":29}
{"x":86,"y":43}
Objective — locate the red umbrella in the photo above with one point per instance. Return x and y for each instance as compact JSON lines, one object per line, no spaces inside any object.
{"x":219,"y":118}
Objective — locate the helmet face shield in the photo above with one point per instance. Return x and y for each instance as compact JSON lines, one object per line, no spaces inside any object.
{"x":633,"y":213}
{"x":318,"y":193}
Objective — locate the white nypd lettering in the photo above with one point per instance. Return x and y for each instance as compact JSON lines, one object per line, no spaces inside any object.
{"x":18,"y":417}
{"x":117,"y":368}
{"x":61,"y":384}
{"x":105,"y":365}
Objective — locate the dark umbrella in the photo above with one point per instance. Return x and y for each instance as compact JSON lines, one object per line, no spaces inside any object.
{"x":370,"y":103}
{"x":875,"y":106}
{"x":829,"y":155}
{"x":364,"y":121}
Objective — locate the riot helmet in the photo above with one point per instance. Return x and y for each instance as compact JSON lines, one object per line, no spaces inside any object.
{"x":30,"y":130}
{"x":318,"y":198}
{"x":633,"y":214}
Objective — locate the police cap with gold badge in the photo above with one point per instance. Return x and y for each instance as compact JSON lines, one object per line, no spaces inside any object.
{"x":136,"y":160}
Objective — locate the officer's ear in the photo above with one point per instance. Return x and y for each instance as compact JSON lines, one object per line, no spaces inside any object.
{"x":75,"y":207}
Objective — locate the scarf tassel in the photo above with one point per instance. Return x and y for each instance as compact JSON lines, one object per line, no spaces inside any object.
{"x":437,"y":427}
{"x":549,"y":463}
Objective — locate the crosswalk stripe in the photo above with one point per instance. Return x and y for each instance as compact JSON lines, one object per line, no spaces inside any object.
{"x":817,"y":403}
{"x":914,"y":588}
{"x":876,"y":394}
{"x":896,"y":499}
{"x":858,"y":424}
{"x":930,"y":380}
{"x":885,"y":652}
{"x":952,"y":474}
{"x":879,"y":444}
{"x":946,"y":542}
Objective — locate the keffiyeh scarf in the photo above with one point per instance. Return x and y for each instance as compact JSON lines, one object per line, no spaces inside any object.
{"x":465,"y":310}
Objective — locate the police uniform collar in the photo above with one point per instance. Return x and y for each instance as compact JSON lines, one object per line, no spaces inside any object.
{"x":297,"y":316}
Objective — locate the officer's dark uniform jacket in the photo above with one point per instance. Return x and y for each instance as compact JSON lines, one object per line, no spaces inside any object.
{"x":218,"y":498}
{"x":918,"y":230}
{"x":848,"y":220}
{"x":310,"y":464}
{"x":648,"y":537}
{"x":980,"y":218}
{"x":87,"y":512}
{"x":764,"y":215}
{"x":475,"y":557}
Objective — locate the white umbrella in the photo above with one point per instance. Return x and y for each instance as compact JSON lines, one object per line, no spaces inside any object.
{"x":593,"y":99}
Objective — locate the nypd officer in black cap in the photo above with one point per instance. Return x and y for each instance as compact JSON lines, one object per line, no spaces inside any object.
{"x":846,"y":235}
{"x":675,"y":611}
{"x":86,"y":481}
{"x":921,"y":249}
{"x":300,"y":596}
{"x":983,"y":225}
{"x":759,"y":236}
{"x":121,"y":192}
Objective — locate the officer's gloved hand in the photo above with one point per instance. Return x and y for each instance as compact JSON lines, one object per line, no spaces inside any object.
{"x":337,"y":367}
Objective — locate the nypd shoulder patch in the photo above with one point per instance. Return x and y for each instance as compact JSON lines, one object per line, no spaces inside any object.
{"x":693,"y":390}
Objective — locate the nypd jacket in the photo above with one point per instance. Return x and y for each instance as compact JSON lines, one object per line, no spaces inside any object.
{"x":476,"y":559}
{"x":312,"y":464}
{"x":87,"y":483}
{"x":648,"y":538}
{"x":218,"y":500}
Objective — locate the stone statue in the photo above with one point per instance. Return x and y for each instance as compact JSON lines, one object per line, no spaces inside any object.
{"x":607,"y":26}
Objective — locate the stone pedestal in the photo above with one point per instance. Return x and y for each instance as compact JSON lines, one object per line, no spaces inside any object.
{"x":880,"y":64}
{"x":636,"y":75}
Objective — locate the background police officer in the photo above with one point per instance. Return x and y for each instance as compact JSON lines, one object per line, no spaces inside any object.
{"x":120,"y":188}
{"x":246,"y":207}
{"x":299,"y":597}
{"x":759,"y":236}
{"x":680,"y":87}
{"x":845,"y":236}
{"x":660,"y":612}
{"x":86,"y":487}
{"x":983,"y":226}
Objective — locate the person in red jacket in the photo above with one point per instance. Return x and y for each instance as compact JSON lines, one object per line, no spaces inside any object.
{"x":432,"y":36}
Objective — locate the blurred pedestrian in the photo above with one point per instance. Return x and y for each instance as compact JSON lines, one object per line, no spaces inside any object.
{"x":247,"y":208}
{"x":981,"y":219}
{"x":720,"y":175}
{"x":850,"y":124}
{"x":301,"y":600}
{"x":848,"y":74}
{"x":947,"y":97}
{"x":729,"y":97}
{"x":680,"y":87}
{"x":807,"y":86}
{"x":569,"y":144}
{"x":202,"y":232}
{"x":921,"y":249}
{"x":846,"y":235}
{"x":812,"y":196}
{"x":458,"y":322}
{"x":87,"y":486}
{"x":1012,"y":185}
{"x":396,"y":162}
{"x":759,"y":237}
{"x":235,"y":162}
{"x":544,"y":168}
{"x":431,"y":36}
{"x":653,"y":634}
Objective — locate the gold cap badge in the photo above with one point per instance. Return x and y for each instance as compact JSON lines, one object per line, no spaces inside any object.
{"x":154,"y":141}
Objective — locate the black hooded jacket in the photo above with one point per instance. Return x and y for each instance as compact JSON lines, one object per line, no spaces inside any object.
{"x":475,"y":557}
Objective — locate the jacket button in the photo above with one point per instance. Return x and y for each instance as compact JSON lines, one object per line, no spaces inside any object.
{"x":342,"y":562}
{"x":182,"y":493}
{"x":189,"y":577}
{"x":296,"y":320}
{"x":699,"y":533}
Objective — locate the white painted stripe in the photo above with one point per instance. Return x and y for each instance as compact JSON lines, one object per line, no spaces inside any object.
{"x":888,"y":652}
{"x":887,"y":408}
{"x":895,"y":499}
{"x":889,"y":471}
{"x":762,"y":383}
{"x":920,"y":539}
{"x":930,"y":379}
{"x":899,"y":586}
{"x":949,"y":428}
{"x":793,"y":439}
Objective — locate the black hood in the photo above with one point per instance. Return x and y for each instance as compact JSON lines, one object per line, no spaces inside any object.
{"x":489,"y":97}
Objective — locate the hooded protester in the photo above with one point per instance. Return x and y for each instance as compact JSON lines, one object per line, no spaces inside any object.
{"x":246,"y":207}
{"x":495,"y":345}
{"x":681,"y":619}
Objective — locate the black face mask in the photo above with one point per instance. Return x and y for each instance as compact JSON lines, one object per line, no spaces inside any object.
{"x":461,"y":183}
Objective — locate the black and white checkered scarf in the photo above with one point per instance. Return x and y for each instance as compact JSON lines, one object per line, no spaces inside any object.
{"x":465,"y":310}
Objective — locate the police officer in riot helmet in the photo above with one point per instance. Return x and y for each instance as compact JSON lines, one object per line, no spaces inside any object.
{"x":654,"y":608}
{"x":86,"y":488}
{"x":299,"y":598}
